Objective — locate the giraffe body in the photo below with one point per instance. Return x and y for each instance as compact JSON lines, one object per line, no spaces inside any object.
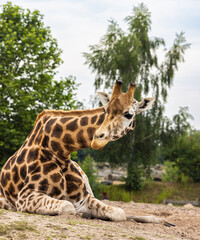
{"x":41,"y":178}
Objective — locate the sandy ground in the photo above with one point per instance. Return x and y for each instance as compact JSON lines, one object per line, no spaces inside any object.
{"x":16,"y":225}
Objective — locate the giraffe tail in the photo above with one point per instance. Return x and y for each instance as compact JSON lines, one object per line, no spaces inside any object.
{"x":149,"y":219}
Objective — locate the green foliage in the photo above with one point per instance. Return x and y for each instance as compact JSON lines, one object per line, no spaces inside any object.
{"x":186,"y":154}
{"x":89,"y":169}
{"x":153,"y":192}
{"x":29,"y":56}
{"x":134,"y":178}
{"x":117,"y":192}
{"x":133,"y":56}
{"x":172,"y":173}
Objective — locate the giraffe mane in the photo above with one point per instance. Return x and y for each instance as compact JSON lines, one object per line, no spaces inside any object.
{"x":77,"y":113}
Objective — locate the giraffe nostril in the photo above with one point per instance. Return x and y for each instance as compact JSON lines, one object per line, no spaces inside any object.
{"x":101,"y":135}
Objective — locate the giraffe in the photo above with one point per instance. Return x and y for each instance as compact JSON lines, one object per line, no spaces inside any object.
{"x":41,"y":177}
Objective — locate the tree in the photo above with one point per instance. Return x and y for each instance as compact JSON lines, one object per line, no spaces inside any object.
{"x":186,"y":155}
{"x":172,"y":130}
{"x":88,"y":167}
{"x":29,"y":56}
{"x":132,"y":56}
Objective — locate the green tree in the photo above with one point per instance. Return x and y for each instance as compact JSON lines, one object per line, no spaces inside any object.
{"x":133,"y":56}
{"x":89,"y":169}
{"x":29,"y":56}
{"x":172,"y":130}
{"x":186,"y":155}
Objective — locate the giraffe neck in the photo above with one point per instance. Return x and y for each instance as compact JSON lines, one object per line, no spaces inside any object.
{"x":64,"y":132}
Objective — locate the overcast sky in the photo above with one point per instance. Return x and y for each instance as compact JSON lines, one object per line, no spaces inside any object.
{"x":76,"y":24}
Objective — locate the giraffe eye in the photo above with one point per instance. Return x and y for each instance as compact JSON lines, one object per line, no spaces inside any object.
{"x":128,"y":115}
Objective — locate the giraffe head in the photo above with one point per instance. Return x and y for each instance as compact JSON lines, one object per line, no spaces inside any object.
{"x":120,"y":111}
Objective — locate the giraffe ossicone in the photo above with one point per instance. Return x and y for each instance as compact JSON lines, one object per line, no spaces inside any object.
{"x":41,"y":178}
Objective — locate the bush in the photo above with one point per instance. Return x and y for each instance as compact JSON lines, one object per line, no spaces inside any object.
{"x":172,"y":172}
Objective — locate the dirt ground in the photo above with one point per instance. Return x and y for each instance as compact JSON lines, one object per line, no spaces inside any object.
{"x":16,"y":225}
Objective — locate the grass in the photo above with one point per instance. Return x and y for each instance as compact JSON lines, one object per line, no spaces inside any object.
{"x":139,"y":238}
{"x":22,"y":226}
{"x":18,"y":226}
{"x":4,"y":229}
{"x":153,"y":192}
{"x":73,"y":222}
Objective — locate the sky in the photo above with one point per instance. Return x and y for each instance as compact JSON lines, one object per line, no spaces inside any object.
{"x":76,"y":24}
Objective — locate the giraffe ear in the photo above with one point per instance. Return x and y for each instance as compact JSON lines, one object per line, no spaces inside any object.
{"x":145,"y":104}
{"x":104,"y":98}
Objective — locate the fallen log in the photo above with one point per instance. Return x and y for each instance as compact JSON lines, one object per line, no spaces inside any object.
{"x":181,"y":202}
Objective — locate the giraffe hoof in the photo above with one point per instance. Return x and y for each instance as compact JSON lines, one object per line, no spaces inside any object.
{"x":118,"y":215}
{"x":67,"y":208}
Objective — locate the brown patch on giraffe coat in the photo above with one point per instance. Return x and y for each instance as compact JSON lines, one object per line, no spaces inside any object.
{"x":23,"y":172}
{"x":81,"y":140}
{"x":67,"y":139}
{"x":55,"y":192}
{"x":45,"y":141}
{"x":57,"y":131}
{"x":84,"y":121}
{"x":45,"y":119}
{"x":85,"y":192}
{"x":37,"y":170}
{"x":31,"y":140}
{"x":70,"y":148}
{"x":44,"y":185}
{"x":31,"y":186}
{"x":20,"y":186}
{"x":11,"y":188}
{"x":46,"y":154}
{"x":13,"y":158}
{"x":32,"y":167}
{"x":72,"y":126}
{"x":63,"y":120}
{"x":15,"y":174}
{"x":49,"y":125}
{"x":75,"y":170}
{"x":39,"y":136}
{"x":76,"y":197}
{"x":93,"y":119}
{"x":98,"y":205}
{"x":33,"y":135}
{"x":90,"y":132}
{"x":21,"y":157}
{"x":36,"y":177}
{"x":56,"y":147}
{"x":55,"y":177}
{"x":5,"y":178}
{"x":48,"y":167}
{"x":101,"y":118}
{"x":32,"y":155}
{"x":73,"y":183}
{"x":62,"y":184}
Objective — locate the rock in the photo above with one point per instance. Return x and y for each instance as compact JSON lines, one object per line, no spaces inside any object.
{"x":170,"y":204}
{"x":189,"y":205}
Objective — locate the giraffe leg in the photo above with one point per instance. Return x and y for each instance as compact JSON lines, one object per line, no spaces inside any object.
{"x":4,"y":203}
{"x":32,"y":201}
{"x":98,"y":209}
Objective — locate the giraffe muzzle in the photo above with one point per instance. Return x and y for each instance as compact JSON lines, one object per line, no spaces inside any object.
{"x":99,"y":142}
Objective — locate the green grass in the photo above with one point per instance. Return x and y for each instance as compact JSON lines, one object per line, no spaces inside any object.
{"x":22,"y":226}
{"x":4,"y":229}
{"x":139,"y":238}
{"x":16,"y":225}
{"x":153,"y":192}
